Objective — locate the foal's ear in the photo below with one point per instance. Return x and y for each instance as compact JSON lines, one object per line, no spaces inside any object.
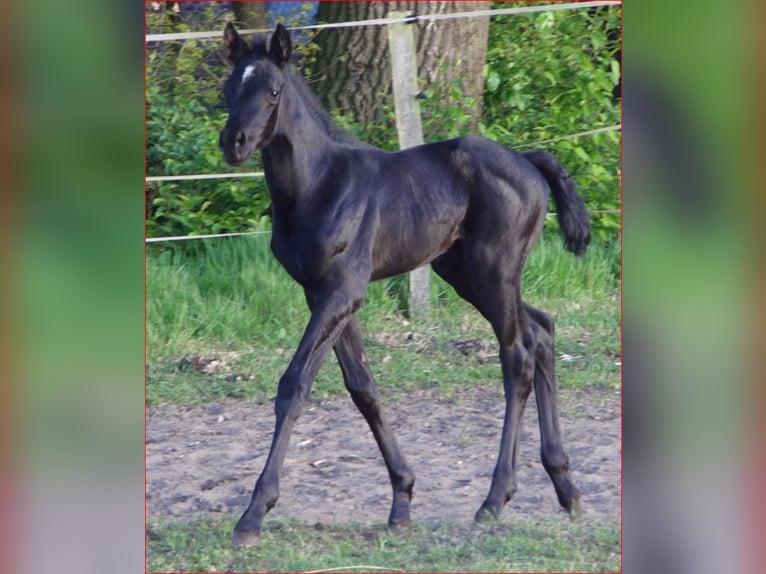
{"x":236,"y":47}
{"x":281,"y":47}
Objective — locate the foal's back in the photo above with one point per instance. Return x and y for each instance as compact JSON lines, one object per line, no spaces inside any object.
{"x":429,"y":196}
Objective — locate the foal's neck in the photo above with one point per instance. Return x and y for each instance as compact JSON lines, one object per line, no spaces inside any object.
{"x":300,"y":148}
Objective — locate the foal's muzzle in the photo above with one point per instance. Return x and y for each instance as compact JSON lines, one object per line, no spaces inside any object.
{"x":235,"y":146}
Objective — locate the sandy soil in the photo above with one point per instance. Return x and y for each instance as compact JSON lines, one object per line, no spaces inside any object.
{"x":206,"y":460}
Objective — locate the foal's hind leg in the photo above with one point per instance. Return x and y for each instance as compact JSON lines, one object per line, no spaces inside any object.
{"x":483,"y":282}
{"x":361,"y":385}
{"x":555,"y":460}
{"x":518,"y":369}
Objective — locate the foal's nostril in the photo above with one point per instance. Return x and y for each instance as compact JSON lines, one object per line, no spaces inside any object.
{"x":240,"y":139}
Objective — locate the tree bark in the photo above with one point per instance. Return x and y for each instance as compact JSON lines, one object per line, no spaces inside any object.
{"x":352,"y":71}
{"x":250,"y":15}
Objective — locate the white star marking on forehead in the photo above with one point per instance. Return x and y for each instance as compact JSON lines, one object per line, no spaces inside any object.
{"x":248,"y":72}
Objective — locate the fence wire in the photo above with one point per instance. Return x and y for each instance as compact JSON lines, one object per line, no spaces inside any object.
{"x":216,"y":34}
{"x":371,"y":22}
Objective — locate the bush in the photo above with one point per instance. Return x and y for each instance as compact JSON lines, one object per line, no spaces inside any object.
{"x":182,"y":138}
{"x":184,"y":114}
{"x":551,"y":74}
{"x":548,"y":75}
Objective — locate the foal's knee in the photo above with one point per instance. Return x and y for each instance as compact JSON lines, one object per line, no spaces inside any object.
{"x":543,"y":329}
{"x":521,"y":369}
{"x":362,"y":388}
{"x":291,"y":393}
{"x":366,"y":399}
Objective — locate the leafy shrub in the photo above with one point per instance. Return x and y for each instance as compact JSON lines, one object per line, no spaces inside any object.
{"x":184,"y":114}
{"x":551,"y":74}
{"x":182,"y":138}
{"x":547,"y":75}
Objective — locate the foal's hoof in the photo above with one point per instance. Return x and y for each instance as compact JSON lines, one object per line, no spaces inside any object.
{"x":399,"y":525}
{"x":487,"y":514}
{"x":399,"y":518}
{"x":575,"y":508}
{"x":244,"y":538}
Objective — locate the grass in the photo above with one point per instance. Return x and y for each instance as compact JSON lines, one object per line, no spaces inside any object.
{"x":523,"y":545}
{"x":223,"y":321}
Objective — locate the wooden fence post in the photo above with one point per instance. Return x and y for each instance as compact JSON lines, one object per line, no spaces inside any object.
{"x":401,"y":45}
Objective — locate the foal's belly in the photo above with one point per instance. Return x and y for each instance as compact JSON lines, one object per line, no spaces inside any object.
{"x":401,"y":248}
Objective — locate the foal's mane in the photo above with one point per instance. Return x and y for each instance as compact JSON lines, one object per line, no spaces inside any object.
{"x":318,"y":112}
{"x":310,"y":101}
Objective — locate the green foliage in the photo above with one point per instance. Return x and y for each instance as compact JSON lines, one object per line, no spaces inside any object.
{"x":182,"y":138}
{"x":445,"y":113}
{"x":184,"y":114}
{"x":548,"y":75}
{"x":552,"y":74}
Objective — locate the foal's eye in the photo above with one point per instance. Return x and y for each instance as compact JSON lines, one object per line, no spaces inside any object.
{"x":274,"y":93}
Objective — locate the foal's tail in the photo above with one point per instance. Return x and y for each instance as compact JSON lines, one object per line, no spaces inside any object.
{"x":570,"y":208}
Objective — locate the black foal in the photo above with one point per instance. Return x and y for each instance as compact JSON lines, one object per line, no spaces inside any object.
{"x":346,"y":213}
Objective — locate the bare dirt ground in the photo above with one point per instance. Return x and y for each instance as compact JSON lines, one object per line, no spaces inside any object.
{"x":205,"y":460}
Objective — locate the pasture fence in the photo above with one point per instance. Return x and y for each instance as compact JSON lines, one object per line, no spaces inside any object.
{"x":409,"y":128}
{"x":405,"y":103}
{"x":410,"y":19}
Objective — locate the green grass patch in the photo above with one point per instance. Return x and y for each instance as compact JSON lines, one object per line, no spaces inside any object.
{"x":521,"y":545}
{"x":223,"y":320}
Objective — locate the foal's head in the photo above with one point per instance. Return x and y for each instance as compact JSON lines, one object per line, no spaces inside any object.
{"x":253,"y":91}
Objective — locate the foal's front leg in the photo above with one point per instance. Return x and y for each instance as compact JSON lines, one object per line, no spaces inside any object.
{"x":361,"y":385}
{"x":329,"y":316}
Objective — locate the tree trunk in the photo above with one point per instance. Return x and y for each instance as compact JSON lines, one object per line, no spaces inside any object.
{"x":250,"y":15}
{"x":352,"y":72}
